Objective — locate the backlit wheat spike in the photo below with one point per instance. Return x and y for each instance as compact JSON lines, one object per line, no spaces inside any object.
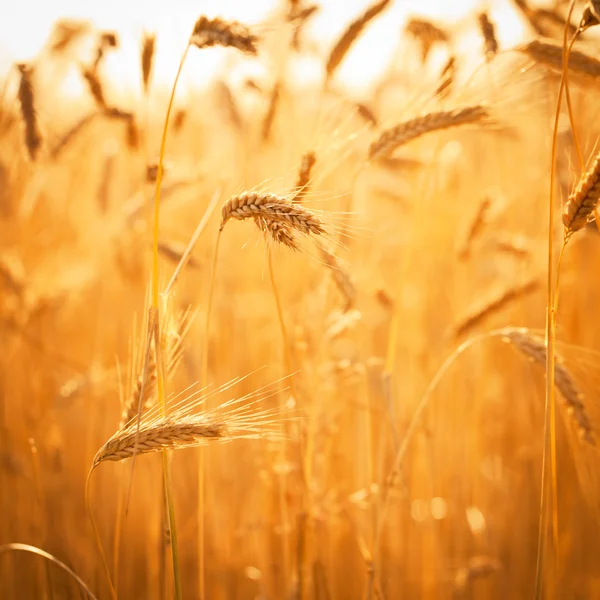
{"x":218,"y":32}
{"x":583,"y":200}
{"x":491,"y":303}
{"x":165,"y":434}
{"x":349,"y":36}
{"x":148,"y":46}
{"x":549,"y":53}
{"x":95,"y":87}
{"x":306,"y":166}
{"x":447,"y":78}
{"x":534,"y":347}
{"x":391,"y":139}
{"x":279,"y":232}
{"x":33,"y":138}
{"x":274,"y":208}
{"x":426,"y":33}
{"x":488,"y":31}
{"x":342,"y":278}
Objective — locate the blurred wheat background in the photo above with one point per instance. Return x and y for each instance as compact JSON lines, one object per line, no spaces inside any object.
{"x":322,"y":353}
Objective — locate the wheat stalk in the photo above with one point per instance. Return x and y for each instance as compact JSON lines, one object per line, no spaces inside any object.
{"x":583,"y":200}
{"x":391,"y":139}
{"x":272,"y":208}
{"x":534,"y":347}
{"x":33,"y":138}
{"x":349,"y":36}
{"x":218,"y":32}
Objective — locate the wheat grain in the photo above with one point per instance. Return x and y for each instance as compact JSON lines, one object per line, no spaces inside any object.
{"x":583,"y":200}
{"x":33,"y":138}
{"x":488,"y":31}
{"x":349,"y":36}
{"x":279,"y":232}
{"x":274,"y":208}
{"x":549,"y":53}
{"x":426,"y":33}
{"x":391,"y":139}
{"x":534,"y":347}
{"x":147,"y":58}
{"x":218,"y":32}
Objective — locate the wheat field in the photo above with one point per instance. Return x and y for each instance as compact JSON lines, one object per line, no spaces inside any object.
{"x":331,"y":300}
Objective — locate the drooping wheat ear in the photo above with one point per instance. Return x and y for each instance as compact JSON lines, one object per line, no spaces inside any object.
{"x":426,"y":33}
{"x":350,"y":35}
{"x":148,"y":45}
{"x":583,"y":200}
{"x":306,"y":166}
{"x":475,"y":226}
{"x":164,"y":434}
{"x":447,"y":78}
{"x":217,"y":32}
{"x":279,"y":232}
{"x":534,"y":347}
{"x":549,"y":53}
{"x":341,"y":277}
{"x":391,"y":139}
{"x":492,"y":303}
{"x":488,"y":31}
{"x":95,"y":86}
{"x":174,"y":252}
{"x":272,"y":208}
{"x":33,"y":137}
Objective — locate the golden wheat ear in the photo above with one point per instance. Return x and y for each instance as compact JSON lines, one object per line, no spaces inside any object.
{"x":218,"y":32}
{"x":147,"y":58}
{"x":33,"y":137}
{"x":584,"y":199}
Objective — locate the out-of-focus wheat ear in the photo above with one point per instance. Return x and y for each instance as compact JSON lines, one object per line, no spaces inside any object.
{"x":65,"y":32}
{"x":173,"y":251}
{"x":534,"y":347}
{"x":229,"y":104}
{"x":549,"y":53}
{"x":299,"y":16}
{"x":72,"y":134}
{"x":350,"y":35}
{"x":488,"y":31}
{"x":475,"y":226}
{"x":391,"y":139}
{"x":584,"y":199}
{"x":218,"y":32}
{"x":107,"y":40}
{"x":590,"y":16}
{"x":274,"y":99}
{"x":179,"y":119}
{"x":477,"y":568}
{"x":304,"y":174}
{"x":341,"y":277}
{"x":103,"y":196}
{"x":272,"y":208}
{"x":426,"y":33}
{"x":447,"y":78}
{"x":491,"y":303}
{"x":148,"y":47}
{"x":95,"y":86}
{"x":280,"y":233}
{"x":33,"y":137}
{"x":366,"y":113}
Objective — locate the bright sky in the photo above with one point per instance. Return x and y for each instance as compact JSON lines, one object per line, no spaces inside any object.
{"x":25,"y":25}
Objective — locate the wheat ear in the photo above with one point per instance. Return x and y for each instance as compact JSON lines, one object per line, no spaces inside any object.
{"x":426,"y":33}
{"x":583,"y":200}
{"x":147,"y":57}
{"x":33,"y":138}
{"x":218,"y":32}
{"x":488,"y":31}
{"x":272,"y":208}
{"x":306,"y":166}
{"x":349,"y":36}
{"x":391,"y":139}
